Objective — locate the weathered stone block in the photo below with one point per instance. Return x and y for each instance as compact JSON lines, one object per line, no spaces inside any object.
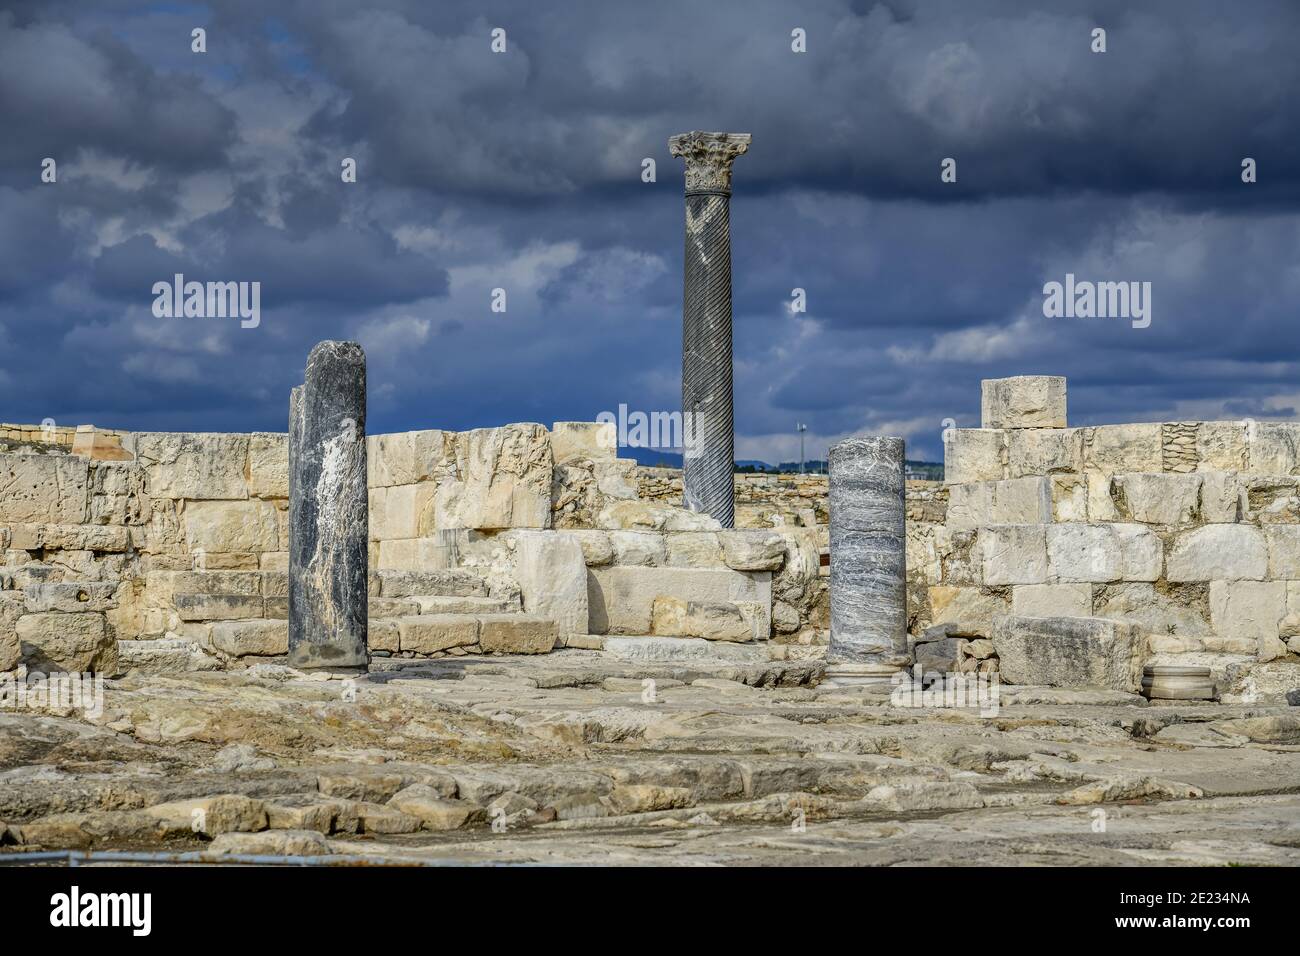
{"x":245,"y":638}
{"x":972,"y":609}
{"x":1283,"y":542}
{"x":1052,"y":600}
{"x":383,"y":634}
{"x":427,"y":633}
{"x":414,"y":554}
{"x":250,"y":526}
{"x":638,"y":547}
{"x":401,"y":511}
{"x":1222,"y":497}
{"x":1250,"y":609}
{"x":1023,"y":401}
{"x":246,"y":583}
{"x":71,"y":597}
{"x":1101,"y":553}
{"x":1274,"y":448}
{"x":1069,"y":497}
{"x":597,"y":549}
{"x":1158,"y":499}
{"x":691,"y":549}
{"x":621,"y":598}
{"x":98,"y":445}
{"x":1013,"y":554}
{"x":458,"y":582}
{"x":1044,"y":451}
{"x":752,"y":550}
{"x":1221,"y":446}
{"x":1227,"y":552}
{"x":193,"y":466}
{"x":1013,"y":501}
{"x":673,"y":617}
{"x":43,"y":488}
{"x":499,"y":478}
{"x":268,"y":465}
{"x":577,"y":440}
{"x":1179,"y":611}
{"x":11,"y":609}
{"x":552,"y":577}
{"x":218,"y":607}
{"x":1070,"y":652}
{"x":76,"y":643}
{"x":1123,"y":449}
{"x":653,"y":516}
{"x":973,"y":454}
{"x":516,"y":634}
{"x":406,"y":458}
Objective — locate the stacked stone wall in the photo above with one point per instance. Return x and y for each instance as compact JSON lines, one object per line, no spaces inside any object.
{"x":183,"y":537}
{"x":1189,"y":529}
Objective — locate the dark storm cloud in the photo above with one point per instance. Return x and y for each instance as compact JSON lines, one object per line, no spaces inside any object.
{"x":521,"y":171}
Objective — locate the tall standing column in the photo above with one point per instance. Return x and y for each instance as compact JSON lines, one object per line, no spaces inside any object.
{"x":868,"y":561}
{"x":328,"y":511}
{"x":707,"y":416}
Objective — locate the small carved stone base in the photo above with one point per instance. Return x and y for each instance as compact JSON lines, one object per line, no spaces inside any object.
{"x":1168,"y":682}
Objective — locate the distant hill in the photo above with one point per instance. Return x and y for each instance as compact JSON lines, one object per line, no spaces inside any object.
{"x":927,"y":470}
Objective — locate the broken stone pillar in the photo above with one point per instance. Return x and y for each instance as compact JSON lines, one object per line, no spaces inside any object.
{"x":328,"y":511}
{"x":707,"y":418}
{"x":868,"y":563}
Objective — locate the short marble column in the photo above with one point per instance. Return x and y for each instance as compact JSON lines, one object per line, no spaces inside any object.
{"x":708,"y":423}
{"x":868,"y":561}
{"x":328,"y":511}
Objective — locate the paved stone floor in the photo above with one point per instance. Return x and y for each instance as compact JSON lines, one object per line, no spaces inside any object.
{"x":568,"y":758}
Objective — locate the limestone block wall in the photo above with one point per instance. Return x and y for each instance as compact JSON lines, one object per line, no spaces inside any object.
{"x":1191,"y":529}
{"x":762,"y":500}
{"x":185,"y":536}
{"x":99,"y":548}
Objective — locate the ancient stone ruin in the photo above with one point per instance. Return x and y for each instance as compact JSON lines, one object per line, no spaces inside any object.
{"x":287,"y":641}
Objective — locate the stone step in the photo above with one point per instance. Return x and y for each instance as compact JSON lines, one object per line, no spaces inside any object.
{"x":219,"y":607}
{"x":504,"y":633}
{"x":680,"y":649}
{"x":475,"y":604}
{"x":247,"y":583}
{"x":252,"y":637}
{"x":442,"y":604}
{"x":453,"y":582}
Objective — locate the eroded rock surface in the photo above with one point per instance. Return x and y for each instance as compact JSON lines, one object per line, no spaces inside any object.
{"x":581,"y":757}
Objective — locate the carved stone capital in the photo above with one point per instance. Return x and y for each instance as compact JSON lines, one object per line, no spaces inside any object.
{"x":708,"y":158}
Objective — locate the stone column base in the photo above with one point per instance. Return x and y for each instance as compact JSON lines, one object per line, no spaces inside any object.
{"x":858,"y":674}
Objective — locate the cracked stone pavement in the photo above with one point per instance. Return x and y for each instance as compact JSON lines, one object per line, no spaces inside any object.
{"x":573,"y":758}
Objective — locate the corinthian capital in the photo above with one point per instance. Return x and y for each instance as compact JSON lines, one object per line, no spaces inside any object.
{"x":708,"y":158}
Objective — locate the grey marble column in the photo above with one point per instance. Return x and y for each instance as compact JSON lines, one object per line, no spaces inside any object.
{"x":328,"y":511}
{"x":868,"y":561}
{"x":707,"y":414}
